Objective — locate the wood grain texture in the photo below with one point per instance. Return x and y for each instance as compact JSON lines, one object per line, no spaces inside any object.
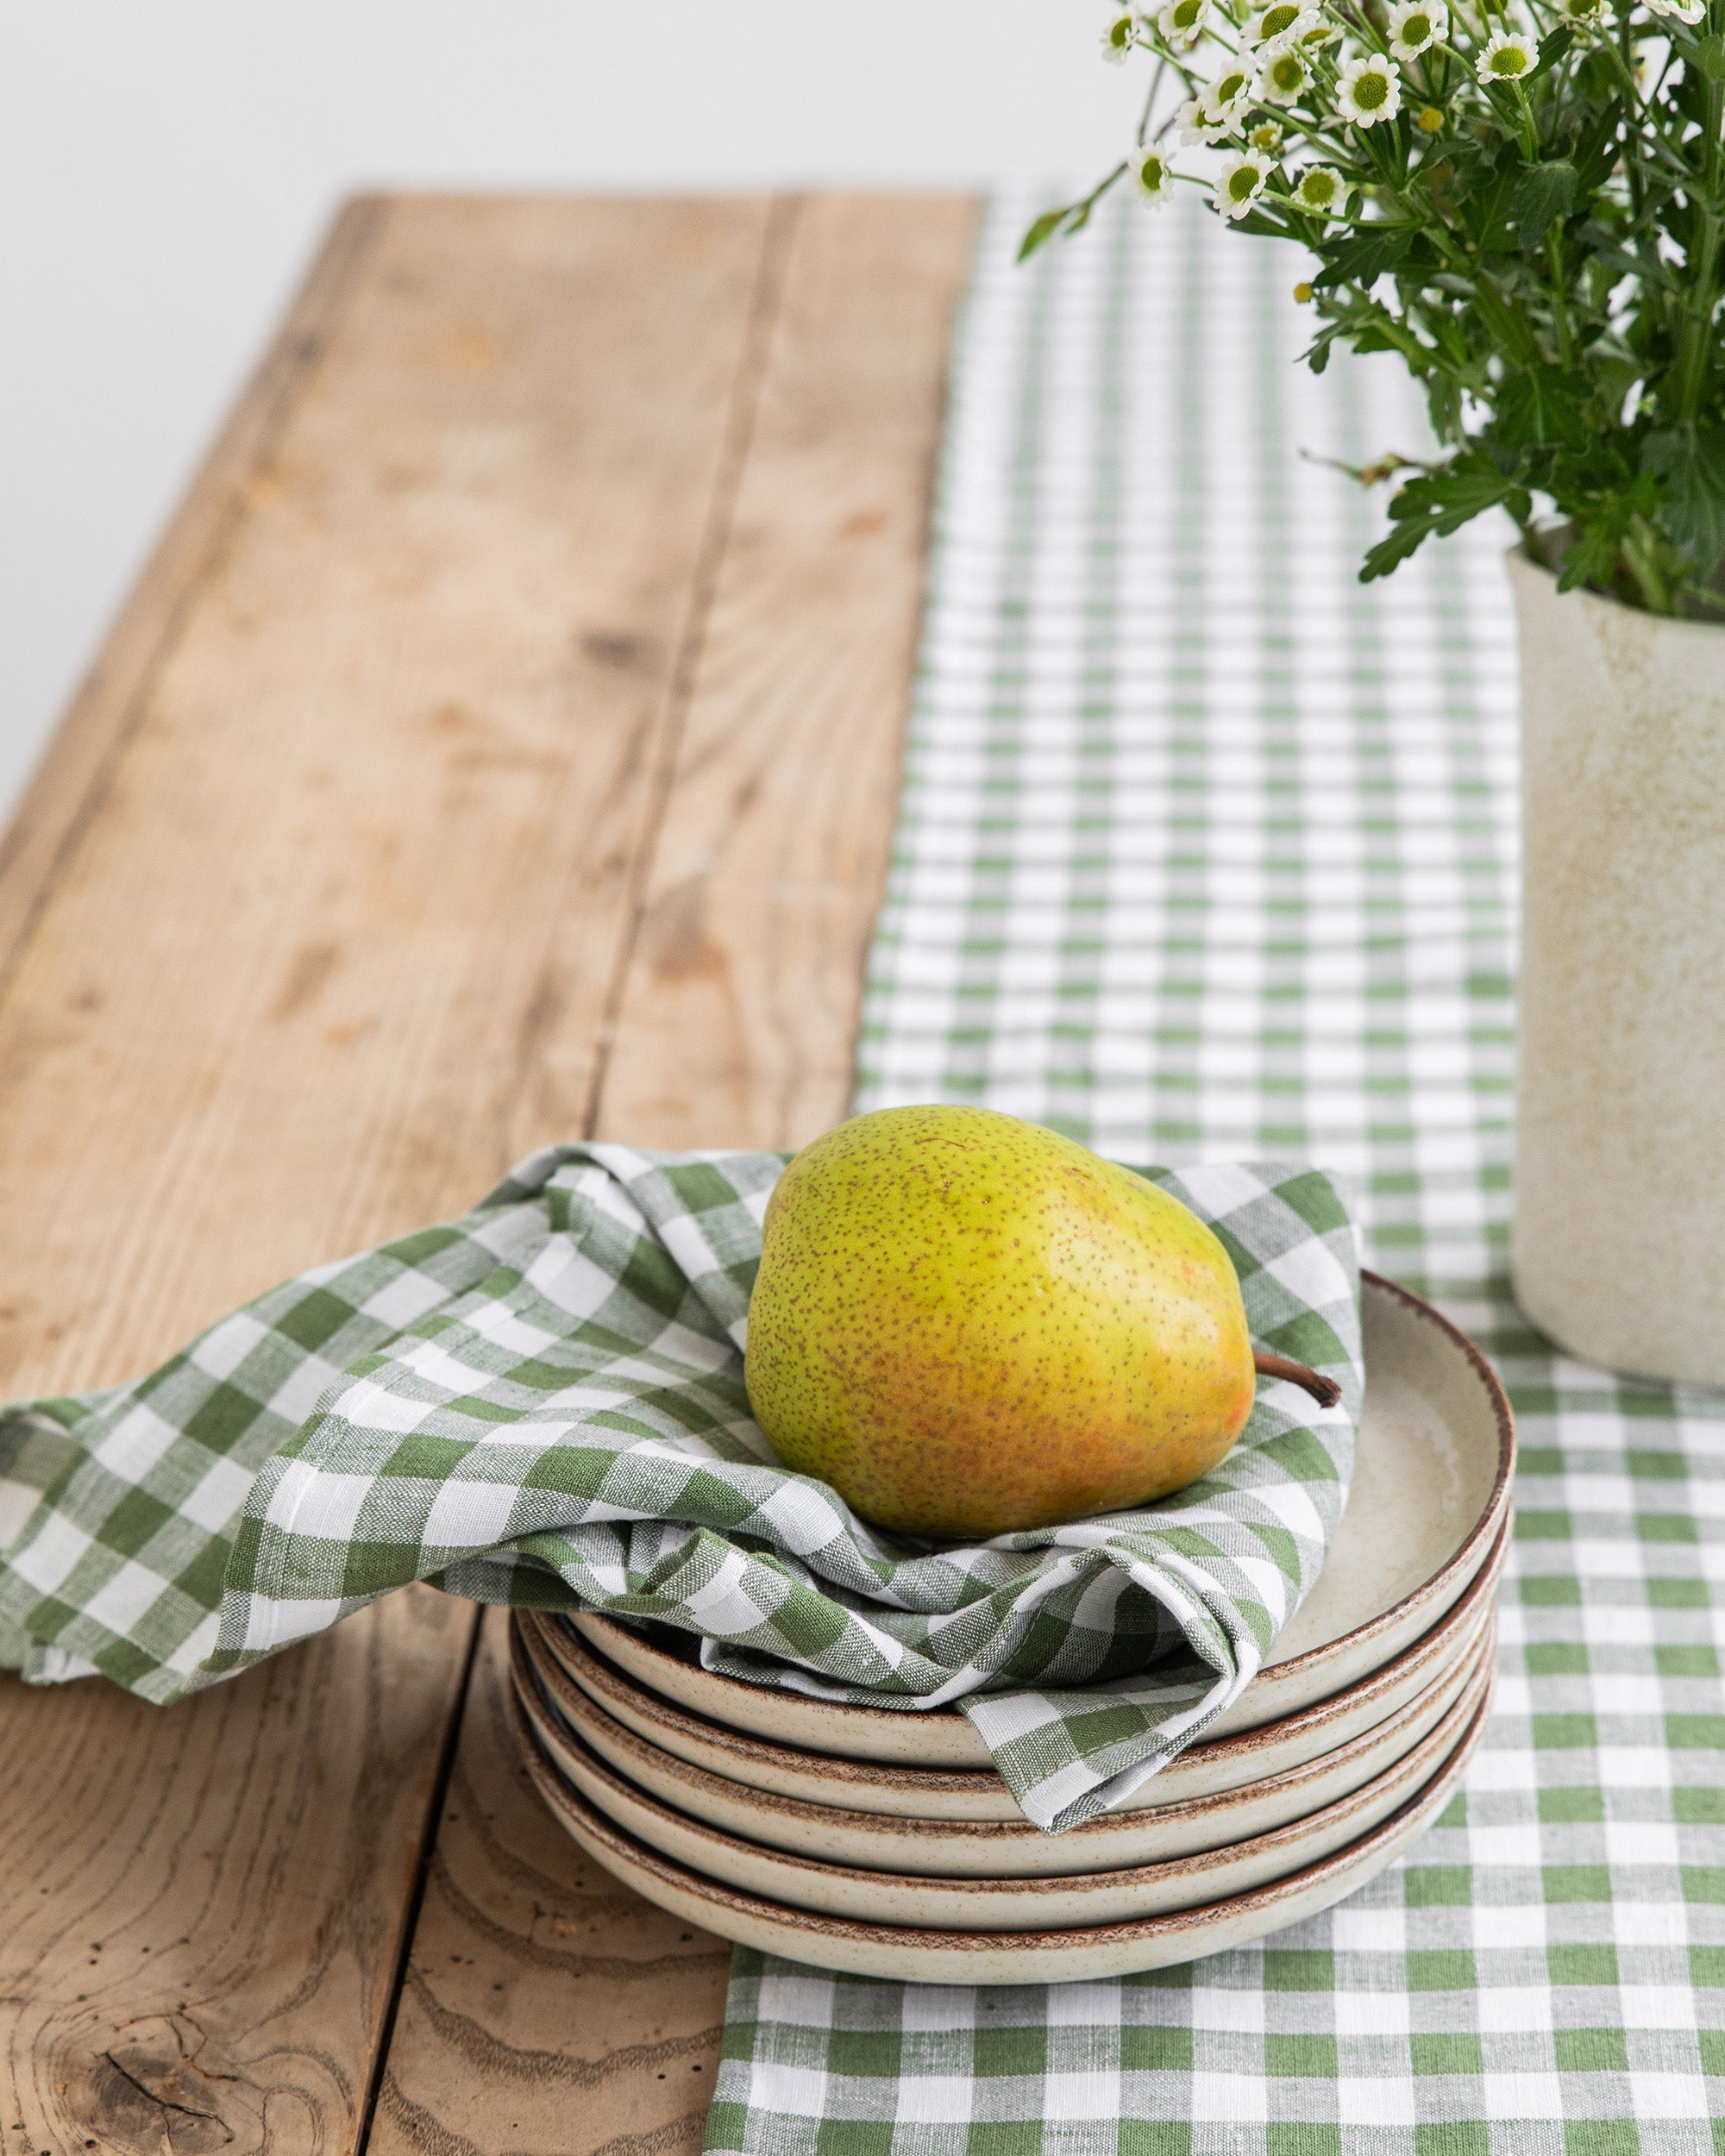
{"x":545,"y":2006}
{"x":362,"y":860}
{"x":737,"y":1016}
{"x":738,"y":1022}
{"x":278,"y":986}
{"x":202,"y":1911}
{"x":66,"y":792}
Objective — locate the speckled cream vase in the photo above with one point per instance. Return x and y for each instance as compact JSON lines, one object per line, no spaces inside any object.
{"x":1619,"y":1236}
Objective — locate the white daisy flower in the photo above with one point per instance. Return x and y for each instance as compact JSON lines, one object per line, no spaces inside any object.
{"x":1118,"y":38}
{"x":1152,"y":171}
{"x":1320,"y":191}
{"x":1183,"y":22}
{"x":1269,"y":22}
{"x":1226,"y":101}
{"x":1415,"y":25}
{"x":1368,"y":91}
{"x":1240,"y":182}
{"x":1284,"y":74}
{"x":1685,"y":10}
{"x":1265,"y":136}
{"x":1311,"y":28}
{"x":1193,"y":127}
{"x":1506,"y":56}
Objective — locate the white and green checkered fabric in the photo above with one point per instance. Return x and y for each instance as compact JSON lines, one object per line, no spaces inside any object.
{"x":1206,"y":849}
{"x":543,"y":1404}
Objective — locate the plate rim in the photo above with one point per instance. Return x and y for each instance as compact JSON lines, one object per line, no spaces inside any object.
{"x":1471,"y":1609}
{"x":526,"y":1666}
{"x":1436,"y":1746}
{"x":563,"y":1801}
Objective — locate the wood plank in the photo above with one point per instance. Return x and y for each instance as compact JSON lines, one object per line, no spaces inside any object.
{"x":203,"y":1911}
{"x":65,"y":790}
{"x":736,"y":1024}
{"x":545,"y":2006}
{"x":361,"y":866}
{"x":284,"y":987}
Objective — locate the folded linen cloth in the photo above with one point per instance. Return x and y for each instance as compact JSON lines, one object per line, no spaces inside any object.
{"x":541,"y":1403}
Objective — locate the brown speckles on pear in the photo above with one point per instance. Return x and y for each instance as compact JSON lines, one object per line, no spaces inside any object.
{"x":968,"y":1324}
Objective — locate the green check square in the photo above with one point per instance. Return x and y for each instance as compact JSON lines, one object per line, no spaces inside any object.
{"x":1571,"y":1806}
{"x":1437,"y":2053}
{"x":843,"y":2137}
{"x":865,"y":2051}
{"x":1442,"y":1968}
{"x":1012,"y":2049}
{"x":1310,"y":2056}
{"x":1584,"y":1965}
{"x":1452,"y":2137}
{"x":1591,"y":2051}
{"x":315,"y":1320}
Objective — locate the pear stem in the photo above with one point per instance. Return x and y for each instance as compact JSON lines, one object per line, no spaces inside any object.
{"x":1324,"y":1390}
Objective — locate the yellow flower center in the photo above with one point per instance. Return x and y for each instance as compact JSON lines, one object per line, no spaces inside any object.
{"x":1287,"y":72}
{"x":1429,"y":121}
{"x":1276,"y":20}
{"x":1243,"y":184}
{"x":1370,"y":89}
{"x":1511,"y":61}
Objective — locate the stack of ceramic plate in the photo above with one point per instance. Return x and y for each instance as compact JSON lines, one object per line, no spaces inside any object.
{"x":883,"y":1842}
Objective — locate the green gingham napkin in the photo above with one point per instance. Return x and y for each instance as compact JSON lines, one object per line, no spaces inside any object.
{"x":1206,"y":849}
{"x":541,"y":1403}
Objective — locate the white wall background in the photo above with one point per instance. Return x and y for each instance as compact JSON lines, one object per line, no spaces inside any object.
{"x":167,"y":165}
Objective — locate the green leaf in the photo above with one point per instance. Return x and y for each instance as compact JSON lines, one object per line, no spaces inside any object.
{"x":1044,"y":231}
{"x":1442,"y":501}
{"x":1544,"y":407}
{"x":1709,"y":57}
{"x":1545,"y":193}
{"x":1364,"y":260}
{"x":1596,"y":150}
{"x":1689,"y":464}
{"x":1553,"y":47}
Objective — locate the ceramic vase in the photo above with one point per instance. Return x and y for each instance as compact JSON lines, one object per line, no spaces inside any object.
{"x":1619,"y":1236}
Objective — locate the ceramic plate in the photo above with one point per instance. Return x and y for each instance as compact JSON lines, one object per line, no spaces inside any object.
{"x":1000,"y":1904}
{"x":909,"y":1956}
{"x":858,"y":1785}
{"x":964,"y":1849}
{"x":1430,"y":1494}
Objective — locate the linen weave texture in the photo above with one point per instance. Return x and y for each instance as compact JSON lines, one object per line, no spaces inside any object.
{"x":543,"y":1403}
{"x":1206,"y":849}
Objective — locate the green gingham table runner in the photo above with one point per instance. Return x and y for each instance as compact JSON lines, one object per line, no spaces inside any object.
{"x":1206,"y":849}
{"x":541,"y":1403}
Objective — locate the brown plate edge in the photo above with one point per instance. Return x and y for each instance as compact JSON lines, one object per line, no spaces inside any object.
{"x":565,"y":1804}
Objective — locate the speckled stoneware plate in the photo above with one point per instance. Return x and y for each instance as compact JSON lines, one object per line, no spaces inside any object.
{"x":1116,"y":1896}
{"x":861,"y":1785}
{"x":969,"y":1849}
{"x":1431,"y":1492}
{"x":913,"y":1956}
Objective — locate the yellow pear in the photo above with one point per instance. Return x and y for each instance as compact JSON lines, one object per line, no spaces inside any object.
{"x":968,"y":1324}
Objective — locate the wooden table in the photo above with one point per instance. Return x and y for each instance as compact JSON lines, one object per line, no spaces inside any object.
{"x":501,"y":747}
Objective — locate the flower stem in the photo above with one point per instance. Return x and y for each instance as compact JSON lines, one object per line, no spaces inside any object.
{"x":1695,"y":340}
